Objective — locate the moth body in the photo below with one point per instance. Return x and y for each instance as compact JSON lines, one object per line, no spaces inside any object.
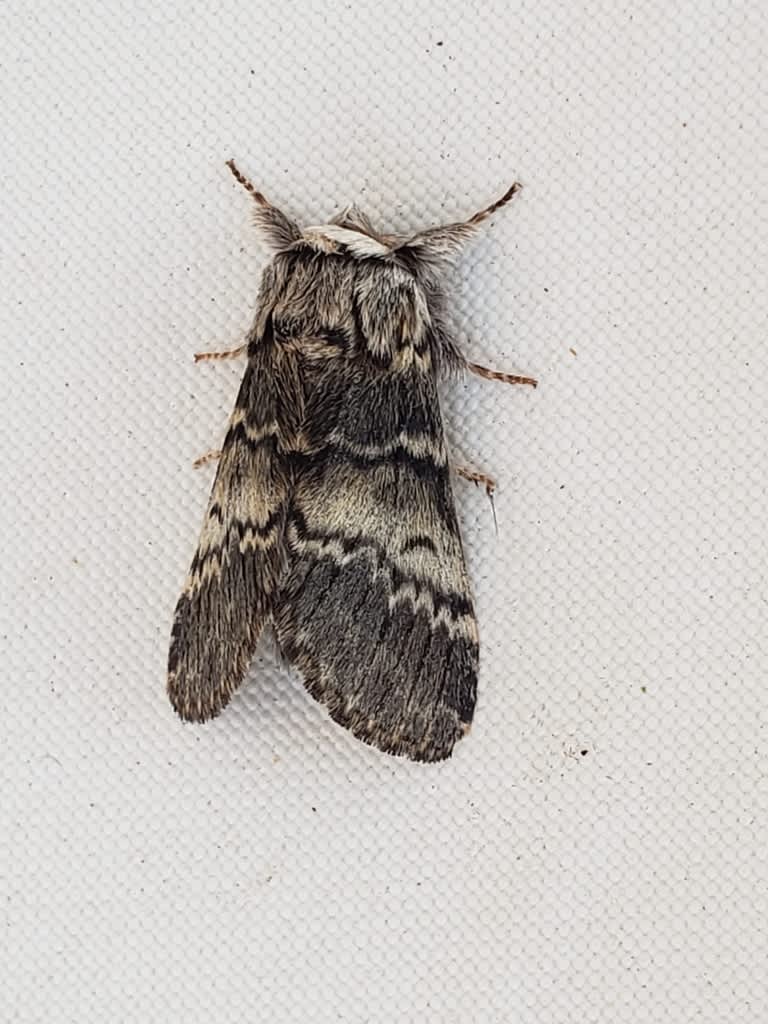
{"x":332,"y":515}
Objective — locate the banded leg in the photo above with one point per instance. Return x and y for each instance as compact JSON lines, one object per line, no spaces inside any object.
{"x":230,"y":353}
{"x":477,"y":478}
{"x":211,"y":456}
{"x":505,"y":378}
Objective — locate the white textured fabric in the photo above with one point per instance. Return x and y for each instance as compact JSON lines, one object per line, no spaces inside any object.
{"x":596,"y":849}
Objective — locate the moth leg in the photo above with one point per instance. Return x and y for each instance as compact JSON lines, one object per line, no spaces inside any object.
{"x":506,"y":378}
{"x":487,"y":481}
{"x":477,"y":478}
{"x":230,"y":353}
{"x":211,"y":456}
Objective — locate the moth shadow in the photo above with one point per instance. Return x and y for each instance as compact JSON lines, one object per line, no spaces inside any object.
{"x":273,"y":694}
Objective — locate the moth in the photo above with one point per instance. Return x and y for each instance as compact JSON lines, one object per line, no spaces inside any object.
{"x":332,"y":516}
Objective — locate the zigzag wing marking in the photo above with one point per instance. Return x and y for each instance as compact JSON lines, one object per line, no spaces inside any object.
{"x":375,"y":610}
{"x":228,"y":594}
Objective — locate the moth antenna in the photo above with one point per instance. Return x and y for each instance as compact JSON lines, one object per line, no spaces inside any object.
{"x":482,"y":214}
{"x":278,"y":230}
{"x":440,"y":244}
{"x":247,"y":185}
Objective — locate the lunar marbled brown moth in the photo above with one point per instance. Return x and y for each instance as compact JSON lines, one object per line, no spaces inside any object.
{"x":331,"y":516}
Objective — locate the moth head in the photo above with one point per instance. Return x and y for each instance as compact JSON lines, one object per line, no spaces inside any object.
{"x":353,"y":230}
{"x":355,"y":219}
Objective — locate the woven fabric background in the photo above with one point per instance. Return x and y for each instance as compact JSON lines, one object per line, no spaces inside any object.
{"x":596,"y":850}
